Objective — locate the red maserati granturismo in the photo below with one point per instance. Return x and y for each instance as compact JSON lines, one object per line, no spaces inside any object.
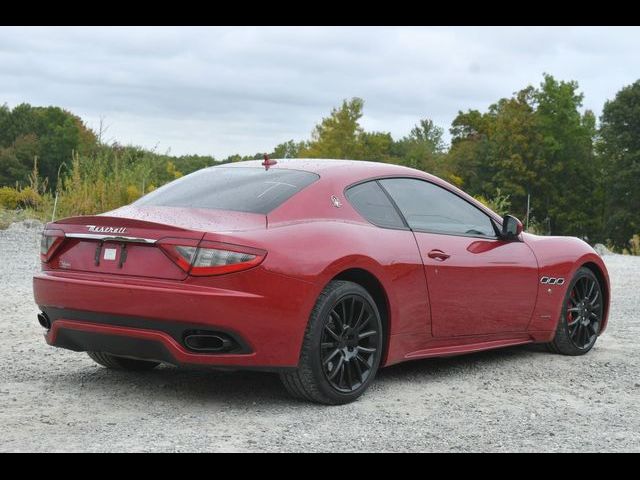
{"x":321,"y":270}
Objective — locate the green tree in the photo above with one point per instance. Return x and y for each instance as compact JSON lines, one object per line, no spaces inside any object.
{"x":535,"y":143}
{"x":567,"y":168}
{"x":289,"y":149}
{"x":50,"y":133}
{"x":423,"y":148}
{"x":619,"y":152}
{"x":339,"y":134}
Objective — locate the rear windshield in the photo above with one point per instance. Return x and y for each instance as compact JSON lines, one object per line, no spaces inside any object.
{"x":243,"y":189}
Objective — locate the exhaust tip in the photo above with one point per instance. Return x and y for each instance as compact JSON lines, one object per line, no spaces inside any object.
{"x":44,"y":321}
{"x":207,"y":343}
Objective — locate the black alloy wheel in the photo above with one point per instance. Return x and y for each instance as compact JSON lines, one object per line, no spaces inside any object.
{"x":582,"y":314}
{"x":342,"y":347}
{"x":349,"y":344}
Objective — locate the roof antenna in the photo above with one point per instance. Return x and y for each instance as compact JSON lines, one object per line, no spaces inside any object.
{"x":268,"y":162}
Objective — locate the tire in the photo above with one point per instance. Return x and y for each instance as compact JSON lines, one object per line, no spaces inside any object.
{"x":114,"y":362}
{"x":341,"y":349}
{"x":581,"y":316}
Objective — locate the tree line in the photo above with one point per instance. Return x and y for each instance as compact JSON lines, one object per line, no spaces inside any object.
{"x":578,"y":174}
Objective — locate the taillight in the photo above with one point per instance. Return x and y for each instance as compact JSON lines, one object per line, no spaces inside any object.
{"x":213,"y":258}
{"x":49,"y":243}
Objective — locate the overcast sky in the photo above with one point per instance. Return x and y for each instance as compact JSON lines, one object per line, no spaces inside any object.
{"x":218,"y":91}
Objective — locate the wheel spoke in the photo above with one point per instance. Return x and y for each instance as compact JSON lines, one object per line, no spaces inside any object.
{"x":331,"y":355}
{"x":328,"y":344}
{"x":342,"y":370}
{"x":364,"y":323}
{"x":332,"y":333}
{"x":337,"y":319}
{"x":579,"y":334}
{"x":344,"y":314}
{"x":367,"y":334}
{"x":358,"y":369}
{"x":347,"y":367}
{"x":575,"y":327}
{"x":584,"y":286}
{"x":365,"y":350}
{"x":591,"y":288}
{"x":584,"y":336}
{"x":337,"y":368}
{"x":356,"y":325}
{"x":362,"y":360}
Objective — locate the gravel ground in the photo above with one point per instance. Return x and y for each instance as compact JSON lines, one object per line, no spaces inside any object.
{"x":517,"y":399}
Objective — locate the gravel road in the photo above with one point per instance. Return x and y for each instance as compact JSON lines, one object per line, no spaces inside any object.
{"x":518,"y":399}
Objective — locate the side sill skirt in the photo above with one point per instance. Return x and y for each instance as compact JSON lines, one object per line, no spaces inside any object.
{"x":468,"y":348}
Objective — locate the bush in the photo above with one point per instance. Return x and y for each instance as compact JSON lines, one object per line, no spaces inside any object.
{"x":634,"y":245}
{"x":12,"y":198}
{"x":29,"y":198}
{"x":9,"y":198}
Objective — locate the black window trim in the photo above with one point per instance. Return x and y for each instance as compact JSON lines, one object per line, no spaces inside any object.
{"x":494,"y":223}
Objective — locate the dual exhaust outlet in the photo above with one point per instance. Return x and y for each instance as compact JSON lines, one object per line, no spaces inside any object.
{"x":44,"y":321}
{"x":205,"y":342}
{"x":202,"y":342}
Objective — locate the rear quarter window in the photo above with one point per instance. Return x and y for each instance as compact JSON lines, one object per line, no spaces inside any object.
{"x":243,"y":189}
{"x":374,"y":205}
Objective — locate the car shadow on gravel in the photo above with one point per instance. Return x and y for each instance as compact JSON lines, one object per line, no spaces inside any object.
{"x":246,"y":388}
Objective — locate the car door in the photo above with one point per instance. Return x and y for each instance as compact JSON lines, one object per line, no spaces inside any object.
{"x":477,"y":283}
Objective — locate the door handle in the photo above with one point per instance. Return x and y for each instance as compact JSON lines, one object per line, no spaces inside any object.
{"x":438,"y":255}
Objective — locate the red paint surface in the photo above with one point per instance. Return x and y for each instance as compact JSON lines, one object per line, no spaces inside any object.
{"x":486,"y":294}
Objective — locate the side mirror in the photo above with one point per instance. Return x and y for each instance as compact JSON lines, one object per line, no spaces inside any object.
{"x":511,"y":227}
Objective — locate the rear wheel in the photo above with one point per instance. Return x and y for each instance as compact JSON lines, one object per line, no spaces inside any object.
{"x":581,"y":316}
{"x":342,"y":347}
{"x":121,"y":363}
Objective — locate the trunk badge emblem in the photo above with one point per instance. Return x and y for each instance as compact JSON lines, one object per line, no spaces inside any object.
{"x":96,"y":229}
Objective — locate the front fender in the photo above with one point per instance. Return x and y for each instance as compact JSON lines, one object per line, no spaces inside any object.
{"x":560,"y":258}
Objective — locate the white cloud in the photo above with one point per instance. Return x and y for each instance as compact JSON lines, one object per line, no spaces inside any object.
{"x":226,"y":90}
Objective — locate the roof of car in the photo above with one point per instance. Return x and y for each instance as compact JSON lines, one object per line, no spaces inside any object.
{"x":330,"y":167}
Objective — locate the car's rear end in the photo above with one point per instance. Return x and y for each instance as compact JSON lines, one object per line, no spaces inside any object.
{"x":179,"y":277}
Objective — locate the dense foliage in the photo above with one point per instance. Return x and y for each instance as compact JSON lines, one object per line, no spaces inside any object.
{"x":619,"y":150}
{"x":537,"y":145}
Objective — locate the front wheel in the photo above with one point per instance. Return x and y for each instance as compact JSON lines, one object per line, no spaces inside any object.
{"x":581,"y":317}
{"x":342,"y":347}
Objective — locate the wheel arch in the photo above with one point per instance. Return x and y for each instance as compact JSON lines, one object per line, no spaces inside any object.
{"x":374,"y":286}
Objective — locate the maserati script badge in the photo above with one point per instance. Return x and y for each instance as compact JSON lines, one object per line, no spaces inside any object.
{"x":96,"y":229}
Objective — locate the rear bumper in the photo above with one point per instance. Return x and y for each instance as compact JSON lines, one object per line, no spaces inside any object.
{"x":141,"y":318}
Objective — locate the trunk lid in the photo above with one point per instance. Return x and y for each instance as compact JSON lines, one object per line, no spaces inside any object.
{"x":127,"y":241}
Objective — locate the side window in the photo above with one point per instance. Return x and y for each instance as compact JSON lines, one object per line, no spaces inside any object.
{"x":431,"y":208}
{"x":374,"y":205}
